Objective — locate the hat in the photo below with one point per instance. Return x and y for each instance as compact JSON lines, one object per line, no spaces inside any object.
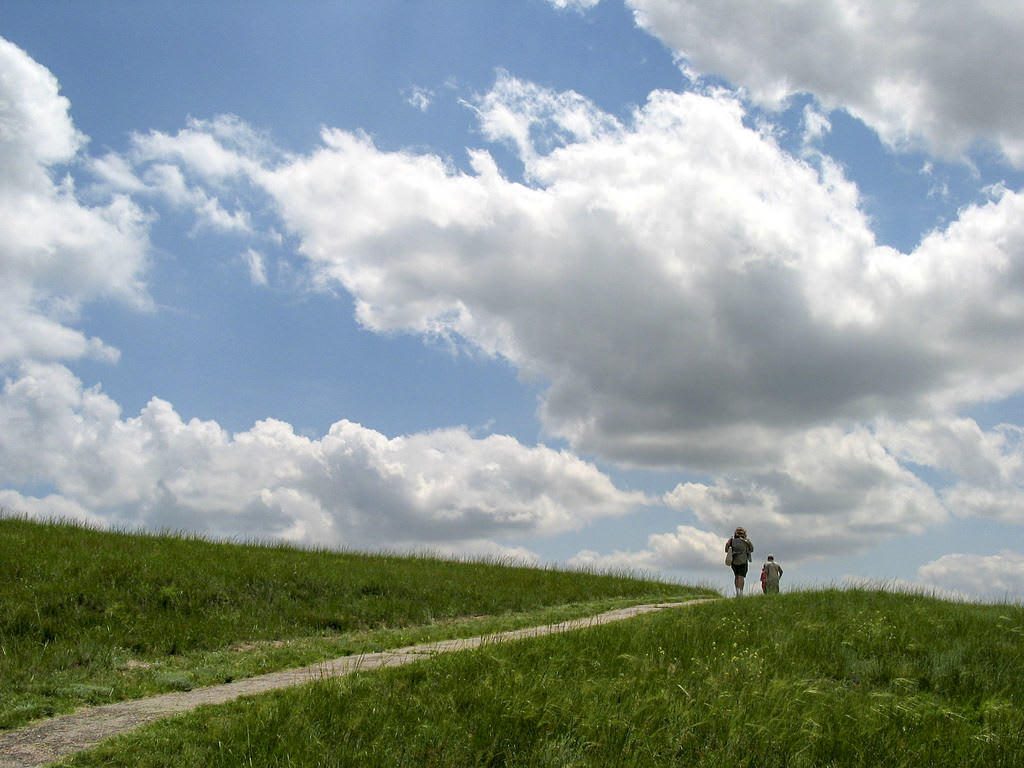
{"x":771,"y":557}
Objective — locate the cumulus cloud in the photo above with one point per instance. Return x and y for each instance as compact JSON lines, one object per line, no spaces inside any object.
{"x":700,"y":302}
{"x":685,"y":549}
{"x":992,"y":577}
{"x":473,"y":550}
{"x":56,"y":253}
{"x":689,"y":294}
{"x":831,"y":491}
{"x":937,"y":74}
{"x":353,"y":486}
{"x":985,"y":467}
{"x":51,"y":507}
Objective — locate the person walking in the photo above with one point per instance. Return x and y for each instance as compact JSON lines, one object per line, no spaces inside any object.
{"x":771,"y":572}
{"x":740,"y":549}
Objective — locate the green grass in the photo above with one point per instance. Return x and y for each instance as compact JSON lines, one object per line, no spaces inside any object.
{"x":89,"y":617}
{"x":816,"y":679}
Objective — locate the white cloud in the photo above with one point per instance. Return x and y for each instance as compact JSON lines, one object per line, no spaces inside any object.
{"x":722,"y":292}
{"x":193,"y":170}
{"x":353,"y":486}
{"x":688,"y":293}
{"x":829,"y":492}
{"x":214,"y":151}
{"x":907,"y":586}
{"x":686,"y":549}
{"x":993,"y":577}
{"x":479,"y":549}
{"x":419,"y":98}
{"x":678,"y":267}
{"x":987,"y":466}
{"x":535,"y":120}
{"x":56,"y":253}
{"x":578,"y":5}
{"x":1005,"y":503}
{"x":941,"y":74}
{"x":257,"y":267}
{"x":692,"y":294}
{"x":816,"y":124}
{"x":960,"y":446}
{"x":169,"y":182}
{"x":115,"y":173}
{"x":52,"y":507}
{"x":36,"y":129}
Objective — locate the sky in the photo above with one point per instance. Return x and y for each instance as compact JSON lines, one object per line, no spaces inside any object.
{"x":585,"y":283}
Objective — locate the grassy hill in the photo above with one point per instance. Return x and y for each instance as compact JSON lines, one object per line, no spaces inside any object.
{"x":88,"y":616}
{"x":816,"y":679}
{"x":799,"y":680}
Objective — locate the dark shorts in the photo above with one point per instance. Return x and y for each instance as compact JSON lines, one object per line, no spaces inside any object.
{"x":740,"y":570}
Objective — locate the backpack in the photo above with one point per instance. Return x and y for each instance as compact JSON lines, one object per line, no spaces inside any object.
{"x":740,"y":549}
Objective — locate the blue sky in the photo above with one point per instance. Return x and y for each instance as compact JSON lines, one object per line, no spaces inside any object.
{"x":564,"y":281}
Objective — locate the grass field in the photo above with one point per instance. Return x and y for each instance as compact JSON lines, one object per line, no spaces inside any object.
{"x":813,"y":679}
{"x":817,"y":678}
{"x":89,"y":617}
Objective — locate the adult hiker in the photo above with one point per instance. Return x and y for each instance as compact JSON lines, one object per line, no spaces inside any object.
{"x":771,"y":572}
{"x":739,"y":549}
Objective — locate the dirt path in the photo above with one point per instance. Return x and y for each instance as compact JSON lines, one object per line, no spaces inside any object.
{"x":48,"y":740}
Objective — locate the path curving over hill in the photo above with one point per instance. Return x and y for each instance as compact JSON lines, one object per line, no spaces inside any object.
{"x":48,"y":740}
